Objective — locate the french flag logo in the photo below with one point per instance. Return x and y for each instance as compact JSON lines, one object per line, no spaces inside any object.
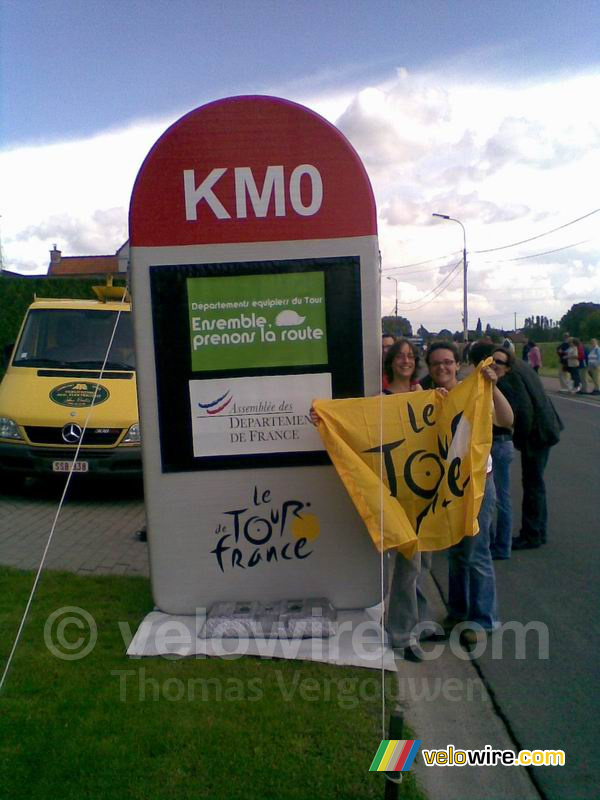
{"x":218,"y":405}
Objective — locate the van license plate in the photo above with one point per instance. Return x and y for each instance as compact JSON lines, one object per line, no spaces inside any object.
{"x":69,"y":466}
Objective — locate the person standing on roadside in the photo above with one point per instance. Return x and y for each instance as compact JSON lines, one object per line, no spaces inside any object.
{"x":407,"y":605}
{"x":582,"y":352}
{"x":534,"y":442}
{"x":513,"y":388}
{"x":387,"y":340}
{"x":534,"y":356}
{"x":594,"y":365}
{"x":503,"y":447}
{"x":508,"y":344}
{"x":471,"y":577}
{"x":563,"y":369}
{"x":573,"y":365}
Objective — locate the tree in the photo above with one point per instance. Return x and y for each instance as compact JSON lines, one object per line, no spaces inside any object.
{"x":575,"y":316}
{"x":397,"y":326}
{"x":590,"y":327}
{"x":540,"y":329}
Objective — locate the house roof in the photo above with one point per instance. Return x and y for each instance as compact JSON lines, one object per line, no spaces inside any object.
{"x":85,"y":265}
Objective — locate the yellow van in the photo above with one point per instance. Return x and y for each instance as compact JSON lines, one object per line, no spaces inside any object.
{"x":56,"y":395}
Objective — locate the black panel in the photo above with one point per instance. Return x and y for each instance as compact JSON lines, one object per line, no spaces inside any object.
{"x":173,"y":355}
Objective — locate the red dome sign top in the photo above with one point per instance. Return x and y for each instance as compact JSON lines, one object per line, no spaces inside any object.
{"x":250,"y":169}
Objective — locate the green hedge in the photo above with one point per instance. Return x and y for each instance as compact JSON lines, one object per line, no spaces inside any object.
{"x":16,"y":294}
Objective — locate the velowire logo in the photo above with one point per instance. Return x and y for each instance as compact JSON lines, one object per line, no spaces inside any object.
{"x":395,"y":755}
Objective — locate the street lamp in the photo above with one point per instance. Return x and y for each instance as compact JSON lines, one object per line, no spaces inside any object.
{"x":396,"y":282}
{"x":465,"y":317}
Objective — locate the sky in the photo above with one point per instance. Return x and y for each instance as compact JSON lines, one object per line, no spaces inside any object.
{"x":485,"y":111}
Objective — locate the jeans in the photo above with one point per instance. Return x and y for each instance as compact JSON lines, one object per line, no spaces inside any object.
{"x":472,"y":581}
{"x":575,"y":377}
{"x":407,"y":604}
{"x":501,"y":533}
{"x":535,"y":511}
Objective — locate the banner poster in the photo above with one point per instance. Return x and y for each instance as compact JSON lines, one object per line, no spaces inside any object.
{"x":257,"y":321}
{"x":414,"y":464}
{"x":241,"y":352}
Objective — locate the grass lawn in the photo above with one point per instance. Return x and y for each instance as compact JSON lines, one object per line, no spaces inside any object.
{"x":105,"y":726}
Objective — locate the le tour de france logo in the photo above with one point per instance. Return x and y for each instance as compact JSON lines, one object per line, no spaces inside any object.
{"x":265,"y":532}
{"x":435,"y":478}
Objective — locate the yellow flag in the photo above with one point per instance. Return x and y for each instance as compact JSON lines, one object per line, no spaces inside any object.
{"x":414,"y":464}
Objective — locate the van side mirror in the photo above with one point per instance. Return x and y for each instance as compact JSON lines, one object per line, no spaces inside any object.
{"x":7,"y":353}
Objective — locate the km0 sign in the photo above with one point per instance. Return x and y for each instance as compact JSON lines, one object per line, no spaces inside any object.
{"x":273,"y":187}
{"x":254,"y":267}
{"x":250,"y":169}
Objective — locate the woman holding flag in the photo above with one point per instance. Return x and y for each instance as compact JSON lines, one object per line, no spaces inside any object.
{"x":471,"y":577}
{"x":407,"y":604}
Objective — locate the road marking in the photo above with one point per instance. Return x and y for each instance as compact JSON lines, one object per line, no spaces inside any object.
{"x":576,"y":398}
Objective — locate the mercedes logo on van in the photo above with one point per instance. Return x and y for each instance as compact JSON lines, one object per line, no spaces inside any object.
{"x":71,"y":433}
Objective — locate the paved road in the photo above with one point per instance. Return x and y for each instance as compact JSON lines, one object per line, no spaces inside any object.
{"x":553,"y":703}
{"x":95,"y":532}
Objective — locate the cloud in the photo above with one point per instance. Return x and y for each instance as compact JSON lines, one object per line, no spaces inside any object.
{"x":73,"y":193}
{"x":81,"y":236}
{"x":581,"y":287}
{"x":393,"y":125}
{"x":526,"y":141}
{"x":508,"y":161}
{"x":471,"y":206}
{"x":403,"y":210}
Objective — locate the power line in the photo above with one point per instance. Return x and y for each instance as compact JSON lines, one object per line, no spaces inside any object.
{"x":435,"y":297}
{"x":536,"y":255}
{"x":417,"y":271}
{"x":539,"y":236}
{"x":420,"y":263}
{"x":494,"y":249}
{"x":444,"y":280}
{"x":444,"y":283}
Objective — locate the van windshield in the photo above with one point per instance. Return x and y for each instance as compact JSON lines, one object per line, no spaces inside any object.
{"x":75,"y":338}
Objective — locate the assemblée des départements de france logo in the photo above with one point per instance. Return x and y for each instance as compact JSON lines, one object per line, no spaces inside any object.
{"x":266,"y":414}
